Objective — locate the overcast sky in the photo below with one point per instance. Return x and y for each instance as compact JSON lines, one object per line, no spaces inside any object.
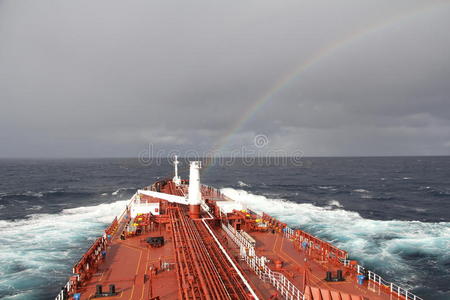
{"x":107,"y":78}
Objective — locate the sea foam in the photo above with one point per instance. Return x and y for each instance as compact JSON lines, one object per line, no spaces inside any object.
{"x":40,"y":250}
{"x":387,"y":247}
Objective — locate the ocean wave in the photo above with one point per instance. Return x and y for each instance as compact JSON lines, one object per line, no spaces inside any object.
{"x":438,"y":192}
{"x":32,"y":194}
{"x":34,"y":207}
{"x":325,"y":187}
{"x":242,"y":184}
{"x":382,"y":245}
{"x":55,"y":190}
{"x":421,"y":188}
{"x":360,"y":191}
{"x":335,"y":203}
{"x":116,"y":192}
{"x":39,"y":251}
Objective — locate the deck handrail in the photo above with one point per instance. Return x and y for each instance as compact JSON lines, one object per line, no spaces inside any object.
{"x":315,"y":242}
{"x":287,"y":289}
{"x":64,"y":291}
{"x":67,"y":286}
{"x":372,"y":276}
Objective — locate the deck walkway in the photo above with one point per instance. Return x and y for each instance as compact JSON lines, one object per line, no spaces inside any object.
{"x":298,"y":262}
{"x":128,"y":265}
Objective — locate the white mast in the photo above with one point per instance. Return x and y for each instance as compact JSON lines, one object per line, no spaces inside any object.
{"x":176,"y":179}
{"x":195,"y":194}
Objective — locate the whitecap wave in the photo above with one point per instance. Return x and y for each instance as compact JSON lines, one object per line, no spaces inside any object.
{"x":381,"y":245}
{"x":335,"y":203}
{"x":116,"y":192}
{"x":242,"y":184}
{"x":33,"y":194}
{"x":325,"y":187}
{"x":360,"y":191}
{"x":34,"y":207}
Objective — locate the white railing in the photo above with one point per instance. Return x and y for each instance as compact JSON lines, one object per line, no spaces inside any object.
{"x":286,"y":288}
{"x":66,"y":287}
{"x":394,"y":288}
{"x":64,"y":290}
{"x":289,"y":232}
{"x":278,"y":280}
{"x":238,"y":238}
{"x":128,"y":207}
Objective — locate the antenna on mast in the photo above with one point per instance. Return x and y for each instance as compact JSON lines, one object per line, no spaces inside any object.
{"x":176,"y":179}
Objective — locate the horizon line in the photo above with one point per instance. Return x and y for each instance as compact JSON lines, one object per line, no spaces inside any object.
{"x":225,"y":156}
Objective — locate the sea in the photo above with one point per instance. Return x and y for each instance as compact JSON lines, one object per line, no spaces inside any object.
{"x":392,"y":214}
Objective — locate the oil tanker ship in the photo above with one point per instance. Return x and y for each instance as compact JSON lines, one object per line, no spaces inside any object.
{"x":180,"y":239}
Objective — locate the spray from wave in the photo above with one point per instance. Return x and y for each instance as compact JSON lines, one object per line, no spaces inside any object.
{"x":39,"y":251}
{"x":334,"y":203}
{"x":120,"y":190}
{"x":397,"y":250}
{"x":242,"y":184}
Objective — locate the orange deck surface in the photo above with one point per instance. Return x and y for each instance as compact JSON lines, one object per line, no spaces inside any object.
{"x":126,"y":263}
{"x":130,"y":265}
{"x":277,"y":247}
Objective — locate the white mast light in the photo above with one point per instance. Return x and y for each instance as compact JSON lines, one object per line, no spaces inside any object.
{"x":176,"y":179}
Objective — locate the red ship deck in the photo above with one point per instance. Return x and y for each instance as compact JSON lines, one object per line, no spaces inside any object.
{"x":295,"y":262}
{"x":203,"y":258}
{"x":127,"y":265}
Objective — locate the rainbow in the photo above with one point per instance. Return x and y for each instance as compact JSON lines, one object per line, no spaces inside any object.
{"x":313,"y":60}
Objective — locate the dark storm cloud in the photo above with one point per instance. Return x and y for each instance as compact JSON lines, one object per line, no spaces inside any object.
{"x":106,"y":78}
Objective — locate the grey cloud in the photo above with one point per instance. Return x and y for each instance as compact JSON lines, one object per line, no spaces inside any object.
{"x":106,"y":78}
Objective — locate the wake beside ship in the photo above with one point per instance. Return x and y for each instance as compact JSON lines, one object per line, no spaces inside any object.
{"x":179,"y":239}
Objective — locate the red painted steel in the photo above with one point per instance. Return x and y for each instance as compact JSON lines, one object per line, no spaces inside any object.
{"x":191,"y":264}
